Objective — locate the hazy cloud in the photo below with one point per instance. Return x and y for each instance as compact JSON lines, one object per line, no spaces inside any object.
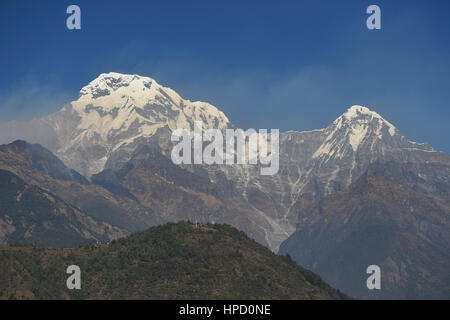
{"x":32,"y":97}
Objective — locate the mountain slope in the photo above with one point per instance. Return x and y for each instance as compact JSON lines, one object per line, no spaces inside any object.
{"x":148,"y":190}
{"x":178,"y":194}
{"x":31,"y":215}
{"x":174,"y":261}
{"x":377,"y":221}
{"x":47,"y":163}
{"x":94,"y":200}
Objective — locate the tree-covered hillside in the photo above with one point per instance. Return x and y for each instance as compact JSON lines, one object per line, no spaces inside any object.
{"x":173,"y":261}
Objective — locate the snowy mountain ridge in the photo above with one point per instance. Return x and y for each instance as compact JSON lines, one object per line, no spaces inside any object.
{"x":115,"y":101}
{"x":112,"y":111}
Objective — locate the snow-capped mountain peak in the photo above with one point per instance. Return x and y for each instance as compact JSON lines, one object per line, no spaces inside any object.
{"x":357,"y":115}
{"x":356,"y":127}
{"x":115,"y":110}
{"x":115,"y":89}
{"x":356,"y":110}
{"x":122,"y":94}
{"x":113,"y":81}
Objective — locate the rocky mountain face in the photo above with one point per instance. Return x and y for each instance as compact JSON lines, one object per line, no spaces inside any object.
{"x":376,"y":221}
{"x":320,"y":162}
{"x":47,"y":163}
{"x":92,"y":199}
{"x":29,"y":214}
{"x":115,"y":115}
{"x":173,"y":261}
{"x":175,"y":193}
{"x":147,"y":191}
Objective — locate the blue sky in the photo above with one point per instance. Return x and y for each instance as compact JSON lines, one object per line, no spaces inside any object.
{"x":288,"y":64}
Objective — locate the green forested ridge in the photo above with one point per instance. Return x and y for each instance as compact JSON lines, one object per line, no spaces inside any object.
{"x":173,"y":261}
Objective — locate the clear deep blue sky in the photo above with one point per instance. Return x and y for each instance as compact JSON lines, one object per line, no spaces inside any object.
{"x":267,"y":64}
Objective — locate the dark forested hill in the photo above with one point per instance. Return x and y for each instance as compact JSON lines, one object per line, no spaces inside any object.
{"x":173,"y":261}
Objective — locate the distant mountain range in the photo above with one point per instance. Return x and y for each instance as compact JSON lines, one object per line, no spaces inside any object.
{"x":108,"y":155}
